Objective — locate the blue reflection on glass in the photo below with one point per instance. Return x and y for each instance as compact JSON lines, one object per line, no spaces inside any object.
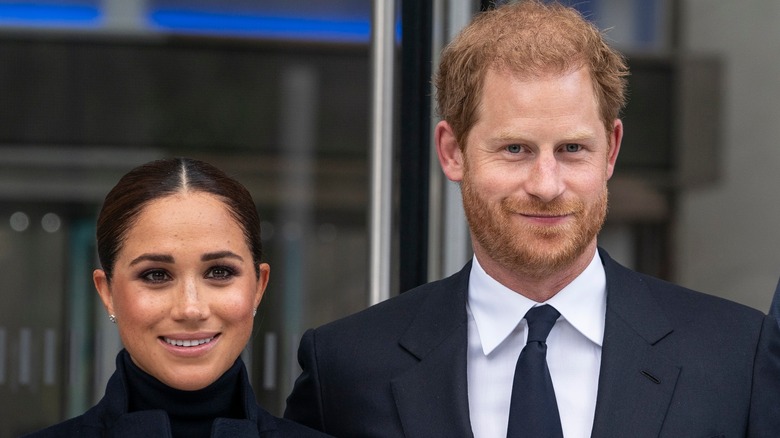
{"x":257,"y":24}
{"x":49,"y":15}
{"x":281,"y":27}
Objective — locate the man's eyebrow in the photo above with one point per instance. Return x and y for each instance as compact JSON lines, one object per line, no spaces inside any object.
{"x":573,"y":136}
{"x":220,"y":255}
{"x":581,"y":135}
{"x":163,"y":258}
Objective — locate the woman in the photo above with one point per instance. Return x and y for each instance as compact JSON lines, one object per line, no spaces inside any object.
{"x":179,"y":247}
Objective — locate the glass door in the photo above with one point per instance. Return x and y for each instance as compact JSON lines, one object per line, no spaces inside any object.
{"x":275,"y":93}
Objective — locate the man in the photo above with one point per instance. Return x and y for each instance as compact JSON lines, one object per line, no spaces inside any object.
{"x":530,"y":96}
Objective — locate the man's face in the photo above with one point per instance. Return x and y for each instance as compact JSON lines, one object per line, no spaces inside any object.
{"x":535,"y":170}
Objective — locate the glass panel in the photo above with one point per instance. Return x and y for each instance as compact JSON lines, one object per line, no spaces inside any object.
{"x":32,"y":253}
{"x":288,"y":119}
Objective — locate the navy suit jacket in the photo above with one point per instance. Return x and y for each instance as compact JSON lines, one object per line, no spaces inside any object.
{"x":675,"y":363}
{"x":774,"y":308}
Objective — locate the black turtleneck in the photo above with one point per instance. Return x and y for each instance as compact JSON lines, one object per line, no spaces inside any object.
{"x":191,"y":413}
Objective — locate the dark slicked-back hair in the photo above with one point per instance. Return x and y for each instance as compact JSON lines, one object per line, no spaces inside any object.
{"x":162,"y":178}
{"x":529,"y":38}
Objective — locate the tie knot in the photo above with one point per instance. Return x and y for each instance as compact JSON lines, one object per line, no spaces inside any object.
{"x":541,"y":320}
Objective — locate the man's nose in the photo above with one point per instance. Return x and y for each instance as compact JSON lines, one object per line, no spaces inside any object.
{"x":544,"y":181}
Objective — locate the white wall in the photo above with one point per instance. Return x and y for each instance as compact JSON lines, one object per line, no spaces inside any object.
{"x":728,"y":235}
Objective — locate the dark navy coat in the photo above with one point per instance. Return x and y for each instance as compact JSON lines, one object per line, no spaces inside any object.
{"x":109,"y":418}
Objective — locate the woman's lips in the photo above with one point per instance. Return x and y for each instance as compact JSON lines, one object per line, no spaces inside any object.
{"x":187,"y":342}
{"x":190,"y":345}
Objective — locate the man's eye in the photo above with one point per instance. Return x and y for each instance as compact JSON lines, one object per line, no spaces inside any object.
{"x":573,"y":147}
{"x":514,"y":149}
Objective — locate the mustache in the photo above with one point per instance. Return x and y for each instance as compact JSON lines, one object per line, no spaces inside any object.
{"x":536,"y":207}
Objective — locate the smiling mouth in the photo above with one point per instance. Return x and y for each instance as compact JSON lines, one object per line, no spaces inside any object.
{"x":188,"y":342}
{"x":546,"y":216}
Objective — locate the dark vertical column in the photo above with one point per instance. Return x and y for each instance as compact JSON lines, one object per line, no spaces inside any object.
{"x":414,"y":147}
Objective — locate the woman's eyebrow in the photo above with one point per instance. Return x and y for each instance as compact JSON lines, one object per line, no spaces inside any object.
{"x":163,"y":258}
{"x":220,"y":255}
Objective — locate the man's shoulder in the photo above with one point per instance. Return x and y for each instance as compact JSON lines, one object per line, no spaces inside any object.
{"x":680,"y":302}
{"x":397,"y":313}
{"x":396,"y":310}
{"x":679,"y":295}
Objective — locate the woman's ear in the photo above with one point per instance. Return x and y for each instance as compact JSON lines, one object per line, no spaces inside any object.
{"x":103,"y":289}
{"x":262,"y":282}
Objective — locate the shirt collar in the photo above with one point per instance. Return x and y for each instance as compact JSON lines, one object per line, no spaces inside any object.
{"x":497,"y":310}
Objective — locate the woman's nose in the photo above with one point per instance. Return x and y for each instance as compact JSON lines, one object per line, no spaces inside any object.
{"x":190,"y":303}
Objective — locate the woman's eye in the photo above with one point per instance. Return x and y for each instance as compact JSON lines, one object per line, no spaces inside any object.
{"x":155,"y":276}
{"x":514,"y":148}
{"x":573,"y":147}
{"x":220,"y":273}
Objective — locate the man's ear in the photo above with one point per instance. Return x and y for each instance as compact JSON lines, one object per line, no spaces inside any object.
{"x":615,"y":139}
{"x":449,"y":152}
{"x":103,"y":289}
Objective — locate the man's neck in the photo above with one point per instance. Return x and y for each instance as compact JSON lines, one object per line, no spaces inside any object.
{"x":541,"y":287}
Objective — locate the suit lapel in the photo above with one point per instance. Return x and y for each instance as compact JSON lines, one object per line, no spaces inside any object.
{"x":432,"y":396}
{"x":635,"y":383}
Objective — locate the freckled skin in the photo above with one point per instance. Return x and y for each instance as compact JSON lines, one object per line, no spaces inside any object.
{"x":534,"y":178}
{"x":184,"y":271}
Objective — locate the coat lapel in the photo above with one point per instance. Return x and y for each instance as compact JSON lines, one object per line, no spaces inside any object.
{"x":432,"y":397}
{"x":635,"y":383}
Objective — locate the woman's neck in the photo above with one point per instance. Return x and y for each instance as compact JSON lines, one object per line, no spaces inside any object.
{"x":191,"y":413}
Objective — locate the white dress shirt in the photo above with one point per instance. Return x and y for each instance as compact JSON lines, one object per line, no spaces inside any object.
{"x":497,"y":333}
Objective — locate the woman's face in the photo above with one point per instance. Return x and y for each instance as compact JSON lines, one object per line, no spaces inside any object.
{"x":184,"y":290}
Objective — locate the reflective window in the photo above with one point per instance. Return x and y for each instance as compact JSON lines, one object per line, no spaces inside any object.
{"x":284,"y":112}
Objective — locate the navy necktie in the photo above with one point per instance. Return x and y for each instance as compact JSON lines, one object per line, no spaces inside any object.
{"x":533,"y":411}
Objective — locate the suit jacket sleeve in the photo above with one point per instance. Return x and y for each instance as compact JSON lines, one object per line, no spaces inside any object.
{"x":304,"y":405}
{"x":765,"y":402}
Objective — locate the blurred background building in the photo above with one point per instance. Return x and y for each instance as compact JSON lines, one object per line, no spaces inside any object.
{"x":332,"y":137}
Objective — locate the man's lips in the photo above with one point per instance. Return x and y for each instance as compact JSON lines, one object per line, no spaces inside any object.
{"x":540,"y":215}
{"x":545,"y":215}
{"x":546,"y":218}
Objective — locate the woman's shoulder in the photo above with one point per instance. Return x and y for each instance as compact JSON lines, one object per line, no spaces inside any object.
{"x":276,"y":427}
{"x":69,"y":428}
{"x":289,"y":428}
{"x":77,"y":427}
